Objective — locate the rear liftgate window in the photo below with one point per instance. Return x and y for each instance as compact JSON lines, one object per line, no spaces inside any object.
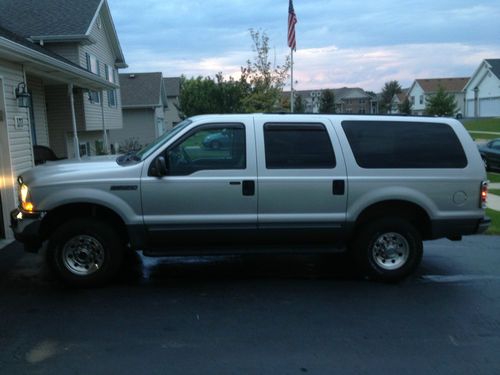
{"x":298,"y":146}
{"x":394,"y":144}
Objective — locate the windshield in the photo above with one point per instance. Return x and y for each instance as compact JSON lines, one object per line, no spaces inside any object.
{"x":150,"y":148}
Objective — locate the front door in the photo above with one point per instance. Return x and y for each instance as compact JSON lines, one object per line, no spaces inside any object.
{"x":210,"y":188}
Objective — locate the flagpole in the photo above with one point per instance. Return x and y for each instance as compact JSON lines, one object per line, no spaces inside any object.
{"x":291,"y":75}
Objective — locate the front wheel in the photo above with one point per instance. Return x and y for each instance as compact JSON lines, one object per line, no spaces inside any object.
{"x":388,"y":249}
{"x":85,"y":252}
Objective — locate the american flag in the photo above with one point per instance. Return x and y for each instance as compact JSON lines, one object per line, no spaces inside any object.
{"x":292,"y":20}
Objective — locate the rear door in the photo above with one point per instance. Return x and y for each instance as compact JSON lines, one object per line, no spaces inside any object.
{"x":302,"y":184}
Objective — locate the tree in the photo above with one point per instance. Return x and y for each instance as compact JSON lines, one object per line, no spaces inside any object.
{"x":405,"y":107}
{"x":263,"y":82}
{"x":299,"y":106}
{"x":202,"y":95}
{"x":441,"y":104}
{"x":327,"y":101}
{"x":390,"y":89}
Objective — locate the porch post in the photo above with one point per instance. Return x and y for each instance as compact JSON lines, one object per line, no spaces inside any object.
{"x":76,"y":144}
{"x":104,"y":133}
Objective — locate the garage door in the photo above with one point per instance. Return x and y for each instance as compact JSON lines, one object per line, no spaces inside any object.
{"x":489,"y":107}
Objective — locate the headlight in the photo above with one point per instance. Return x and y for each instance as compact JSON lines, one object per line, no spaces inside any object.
{"x":24,"y":198}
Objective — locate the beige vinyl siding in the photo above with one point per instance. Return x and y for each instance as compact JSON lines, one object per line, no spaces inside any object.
{"x":35,"y":85}
{"x":138,"y":124}
{"x":102,"y":50}
{"x":59,"y":116}
{"x":67,"y":50}
{"x":19,"y":140}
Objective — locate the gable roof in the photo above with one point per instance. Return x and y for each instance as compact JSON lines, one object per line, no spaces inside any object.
{"x":59,"y":21}
{"x":20,"y":49}
{"x":30,"y":18}
{"x":141,"y":89}
{"x":495,"y":66}
{"x":172,"y":86}
{"x":448,"y":84}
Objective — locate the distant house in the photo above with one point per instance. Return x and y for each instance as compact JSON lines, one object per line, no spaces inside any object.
{"x":422,"y":89}
{"x":347,"y":100}
{"x":58,"y":85}
{"x":144,"y":103}
{"x":173,"y":88}
{"x":397,"y":100}
{"x":482,"y":92}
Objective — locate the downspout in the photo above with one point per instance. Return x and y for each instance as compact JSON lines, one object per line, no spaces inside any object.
{"x":76,"y":144}
{"x":104,"y":132}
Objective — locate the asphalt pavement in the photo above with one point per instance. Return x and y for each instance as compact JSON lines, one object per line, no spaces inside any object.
{"x":256,"y":315}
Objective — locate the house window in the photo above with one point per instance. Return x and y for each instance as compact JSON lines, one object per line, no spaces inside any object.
{"x":94,"y":97}
{"x":112,"y":98}
{"x":93,"y":64}
{"x":421,"y":99}
{"x":110,"y":74}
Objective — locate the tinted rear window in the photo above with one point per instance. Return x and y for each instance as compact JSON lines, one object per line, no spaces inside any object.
{"x":394,"y":144}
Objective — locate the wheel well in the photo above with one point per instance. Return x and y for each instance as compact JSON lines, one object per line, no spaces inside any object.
{"x":412,"y":212}
{"x":59,"y":215}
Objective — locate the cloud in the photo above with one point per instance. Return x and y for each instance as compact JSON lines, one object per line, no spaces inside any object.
{"x":340,"y":42}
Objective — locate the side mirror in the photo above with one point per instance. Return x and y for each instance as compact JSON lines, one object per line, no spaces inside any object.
{"x":161,"y":166}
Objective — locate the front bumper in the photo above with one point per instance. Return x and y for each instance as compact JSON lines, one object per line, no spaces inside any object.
{"x":26,"y":228}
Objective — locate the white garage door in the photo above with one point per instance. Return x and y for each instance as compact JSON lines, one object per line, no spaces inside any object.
{"x":489,"y":107}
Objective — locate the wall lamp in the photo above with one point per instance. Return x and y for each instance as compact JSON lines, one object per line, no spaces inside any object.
{"x":23,"y":96}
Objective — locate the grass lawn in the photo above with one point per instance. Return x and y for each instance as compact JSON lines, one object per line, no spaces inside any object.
{"x":494,"y":177}
{"x":486,"y":137}
{"x":494,"y":191}
{"x":486,"y":125}
{"x":495,"y":221}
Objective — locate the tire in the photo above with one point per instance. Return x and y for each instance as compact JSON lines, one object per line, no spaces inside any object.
{"x":388,"y":249}
{"x":85,"y":252}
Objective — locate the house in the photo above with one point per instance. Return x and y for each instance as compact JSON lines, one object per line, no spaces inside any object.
{"x":347,"y":100}
{"x":173,"y":88}
{"x":58,"y":86}
{"x":482,"y":92}
{"x":397,"y":100}
{"x":422,"y":89}
{"x":144,"y":104}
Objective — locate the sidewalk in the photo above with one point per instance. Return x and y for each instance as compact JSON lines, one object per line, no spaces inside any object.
{"x":493,"y":202}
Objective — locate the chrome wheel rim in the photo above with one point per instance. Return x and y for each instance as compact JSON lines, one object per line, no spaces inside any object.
{"x":83,"y":255}
{"x":390,"y":251}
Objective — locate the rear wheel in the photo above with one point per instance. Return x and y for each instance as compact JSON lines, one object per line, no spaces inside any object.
{"x":388,"y":249}
{"x":85,"y":252}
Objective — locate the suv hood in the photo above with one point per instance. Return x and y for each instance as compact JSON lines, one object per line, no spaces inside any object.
{"x":73,"y":170}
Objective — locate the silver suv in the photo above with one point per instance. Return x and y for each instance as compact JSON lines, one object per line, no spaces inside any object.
{"x":374,"y":185}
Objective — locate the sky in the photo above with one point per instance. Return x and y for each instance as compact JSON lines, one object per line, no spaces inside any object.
{"x":340,"y":43}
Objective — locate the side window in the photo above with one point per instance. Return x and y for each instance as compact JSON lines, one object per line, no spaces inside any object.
{"x":208,"y":148}
{"x":495,"y":145}
{"x":397,"y":144}
{"x":298,"y":146}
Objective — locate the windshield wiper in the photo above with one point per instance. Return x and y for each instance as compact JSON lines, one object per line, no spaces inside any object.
{"x":129,"y":156}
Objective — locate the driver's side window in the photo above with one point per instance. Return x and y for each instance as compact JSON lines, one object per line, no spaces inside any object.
{"x":208,"y":148}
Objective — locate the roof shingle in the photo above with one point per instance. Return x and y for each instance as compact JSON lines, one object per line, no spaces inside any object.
{"x":448,"y":84}
{"x":140,"y":89}
{"x":495,"y":66}
{"x":47,"y":17}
